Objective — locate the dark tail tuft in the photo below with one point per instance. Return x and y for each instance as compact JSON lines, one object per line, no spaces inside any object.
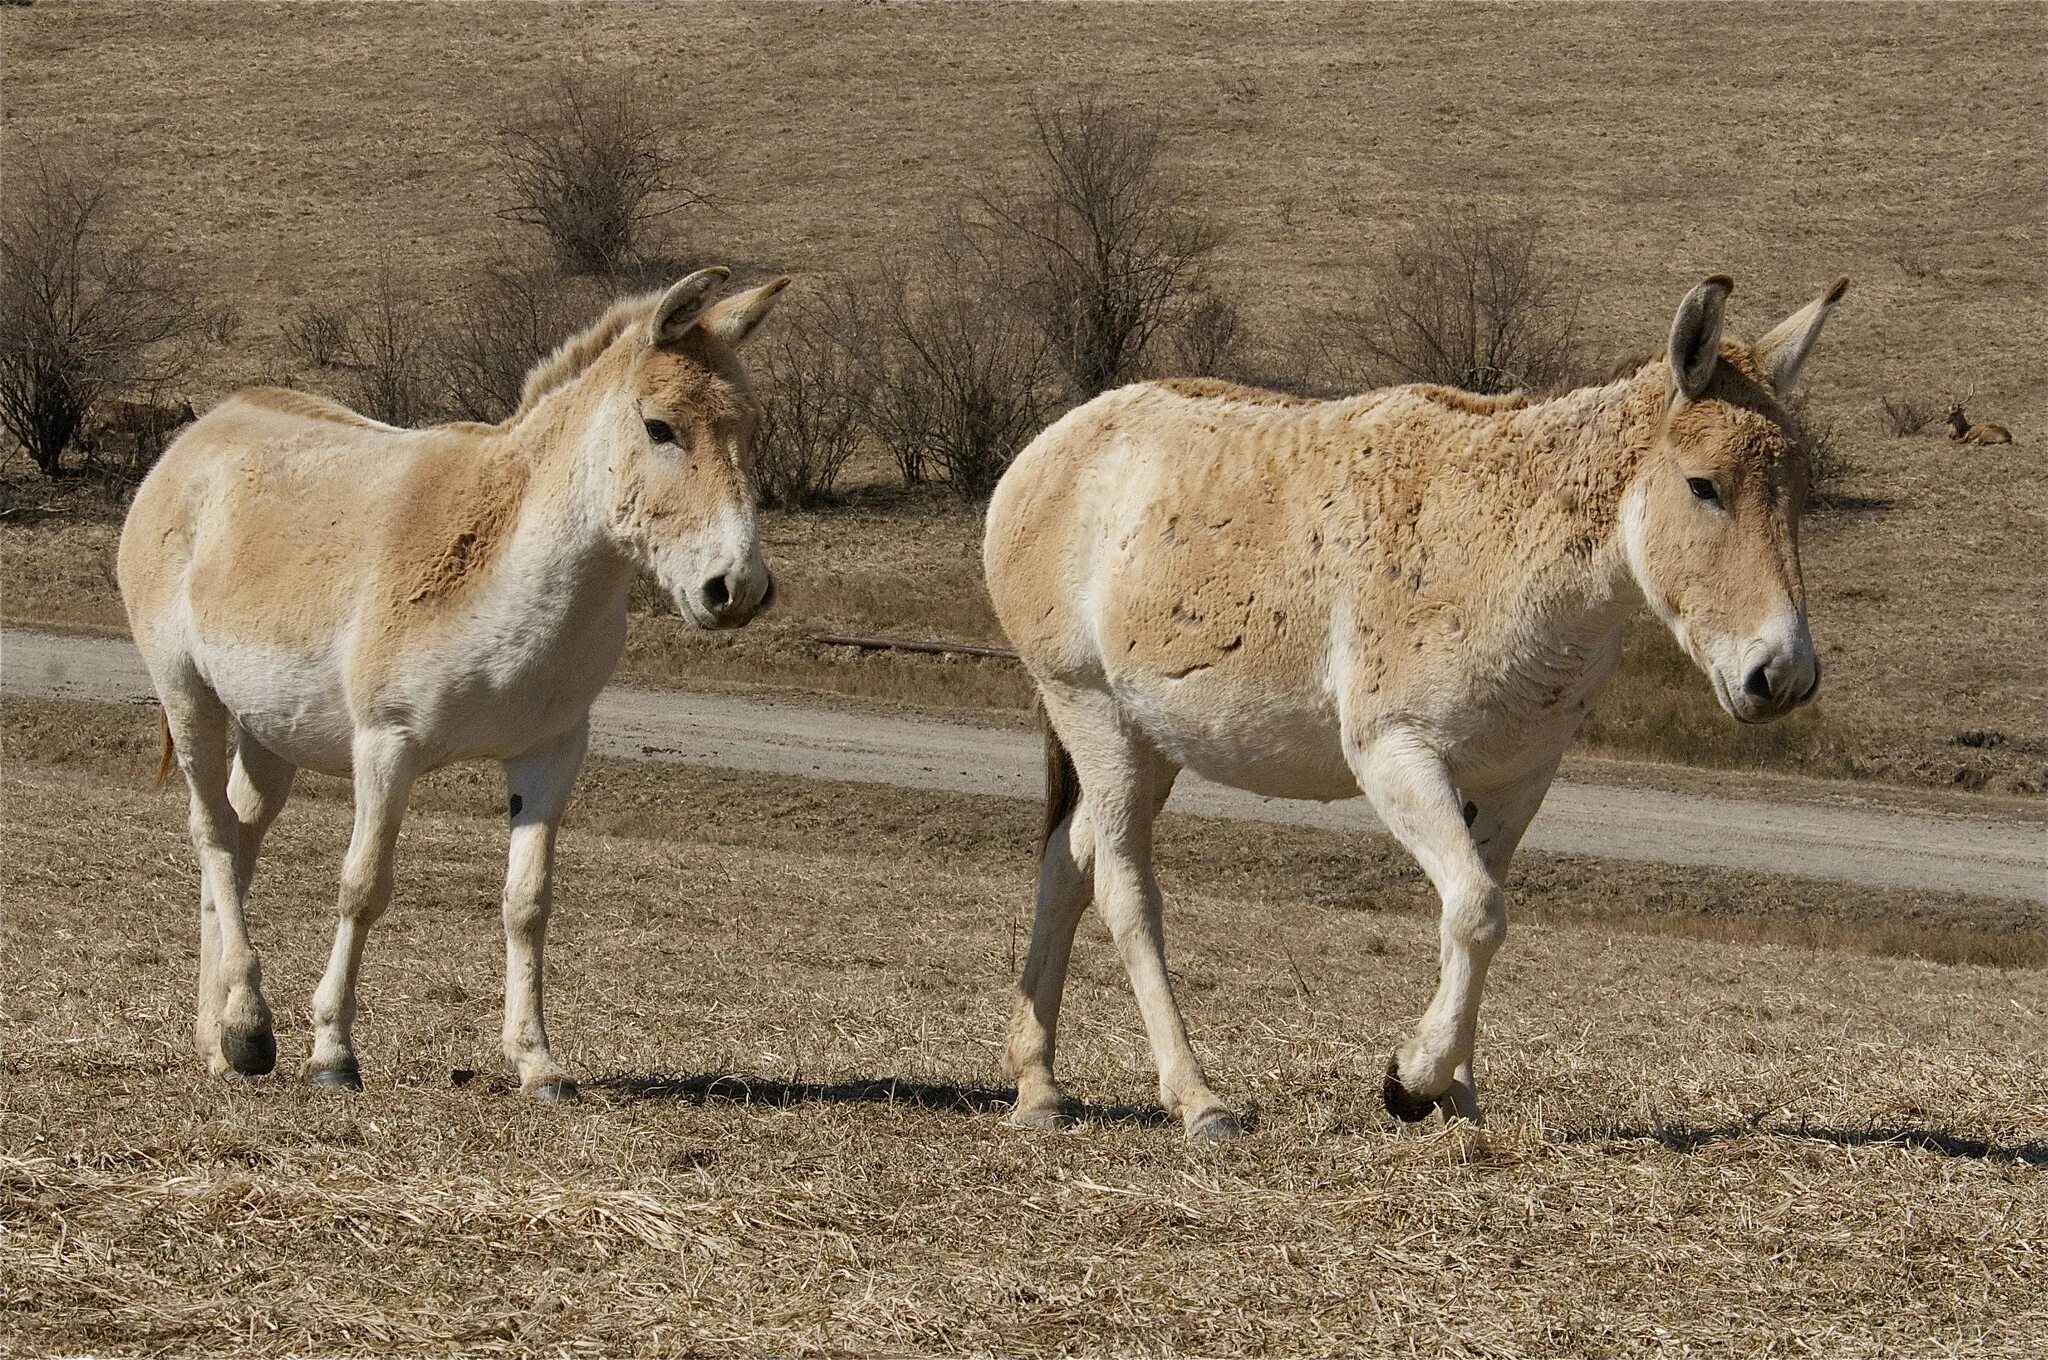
{"x":170,"y":755}
{"x":1062,"y":784}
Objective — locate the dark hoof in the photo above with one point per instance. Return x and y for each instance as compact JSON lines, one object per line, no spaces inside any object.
{"x":252,"y":1055}
{"x":1218,"y":1127}
{"x":348,"y":1078}
{"x":555,"y":1090}
{"x":1402,"y":1103}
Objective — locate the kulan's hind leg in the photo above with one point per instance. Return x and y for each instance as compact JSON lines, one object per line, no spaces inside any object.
{"x":234,"y":1028}
{"x":1066,"y":884}
{"x":258,"y":785}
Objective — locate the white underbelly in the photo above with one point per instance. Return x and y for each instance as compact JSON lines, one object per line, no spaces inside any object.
{"x":1286,"y":745}
{"x":297,"y":706}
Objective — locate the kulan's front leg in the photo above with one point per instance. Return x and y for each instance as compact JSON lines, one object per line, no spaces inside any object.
{"x":537,"y":793}
{"x":1412,"y":792}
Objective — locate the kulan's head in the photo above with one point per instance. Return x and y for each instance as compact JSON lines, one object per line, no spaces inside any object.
{"x":1711,"y":522}
{"x":676,"y":476}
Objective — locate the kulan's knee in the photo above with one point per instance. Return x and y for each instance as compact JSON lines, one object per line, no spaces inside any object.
{"x":365,"y":893}
{"x":526,"y":913}
{"x":1478,"y":920}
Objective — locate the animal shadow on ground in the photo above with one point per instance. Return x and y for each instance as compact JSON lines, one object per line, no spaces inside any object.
{"x":1845,"y":503}
{"x":736,"y":1088}
{"x":1690,"y":1138}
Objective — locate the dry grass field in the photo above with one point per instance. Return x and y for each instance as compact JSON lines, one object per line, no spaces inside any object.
{"x":288,"y":152}
{"x":1731,"y":1113}
{"x":786,"y":999}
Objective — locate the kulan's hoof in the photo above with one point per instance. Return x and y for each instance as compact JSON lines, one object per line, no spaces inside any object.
{"x":1402,"y":1103}
{"x":251,"y":1055}
{"x":1040,"y":1114}
{"x":338,"y":1078}
{"x":553,"y":1091}
{"x":1219,"y":1126}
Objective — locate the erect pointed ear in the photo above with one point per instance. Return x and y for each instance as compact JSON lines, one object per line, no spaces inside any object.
{"x":1696,"y":335}
{"x":682,"y":303}
{"x":1781,"y":352}
{"x":734,"y":319}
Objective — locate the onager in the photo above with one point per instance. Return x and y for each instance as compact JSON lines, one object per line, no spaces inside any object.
{"x":1963,"y":432}
{"x":332,"y":593}
{"x":1408,"y":594}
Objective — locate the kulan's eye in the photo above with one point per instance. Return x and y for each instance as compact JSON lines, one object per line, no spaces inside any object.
{"x":660,"y":431}
{"x":1703,"y":490}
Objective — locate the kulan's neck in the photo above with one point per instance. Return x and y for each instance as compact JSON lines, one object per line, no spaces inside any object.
{"x":1586,"y":449}
{"x":566,"y":552}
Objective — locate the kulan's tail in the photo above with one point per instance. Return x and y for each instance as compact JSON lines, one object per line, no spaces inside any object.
{"x":170,"y":755}
{"x":1062,"y":784}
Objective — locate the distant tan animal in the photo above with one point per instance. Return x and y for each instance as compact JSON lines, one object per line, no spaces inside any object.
{"x":349,"y":597}
{"x":1963,"y":432}
{"x":137,"y":428}
{"x":1410,"y":594}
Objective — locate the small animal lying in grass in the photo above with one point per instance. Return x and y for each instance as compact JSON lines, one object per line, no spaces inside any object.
{"x":1963,"y":432}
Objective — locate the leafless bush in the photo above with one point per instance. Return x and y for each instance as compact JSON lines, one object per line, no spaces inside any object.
{"x":814,"y":400}
{"x":1905,"y":415}
{"x":1813,"y":431}
{"x":1211,"y":340}
{"x":88,"y":308}
{"x":508,"y":318}
{"x":1912,"y":264}
{"x":316,"y":335}
{"x":590,"y":163}
{"x":1108,"y":250}
{"x":1474,"y":299}
{"x":388,"y":355}
{"x":223,"y":324}
{"x":960,"y":377}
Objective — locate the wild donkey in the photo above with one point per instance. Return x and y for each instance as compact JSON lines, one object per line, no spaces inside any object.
{"x":1412,"y":594}
{"x":354,"y":598}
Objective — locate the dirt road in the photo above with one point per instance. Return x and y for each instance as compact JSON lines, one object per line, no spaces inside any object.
{"x":1881,"y":848}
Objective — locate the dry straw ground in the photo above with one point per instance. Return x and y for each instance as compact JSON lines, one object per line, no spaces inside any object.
{"x":290,"y":151}
{"x":1732,"y":1113}
{"x":791,"y":1138}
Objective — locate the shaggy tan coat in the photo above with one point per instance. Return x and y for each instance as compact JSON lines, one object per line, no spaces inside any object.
{"x":1413,"y":593}
{"x":341,"y":595}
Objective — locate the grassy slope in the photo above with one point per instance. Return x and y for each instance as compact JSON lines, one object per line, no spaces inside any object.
{"x":287,"y":150}
{"x":1753,"y":1145}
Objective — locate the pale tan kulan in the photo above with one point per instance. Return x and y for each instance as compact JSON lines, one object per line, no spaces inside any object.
{"x":1413,"y":593}
{"x":320,"y":590}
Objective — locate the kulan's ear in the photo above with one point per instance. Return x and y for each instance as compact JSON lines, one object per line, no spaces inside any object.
{"x":1781,"y":352}
{"x":1696,"y":335}
{"x":682,"y":303}
{"x":734,"y":319}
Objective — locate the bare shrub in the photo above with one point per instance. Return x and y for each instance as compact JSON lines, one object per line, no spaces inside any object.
{"x":88,"y":307}
{"x":1813,"y":433}
{"x":590,"y":163}
{"x":814,"y":401}
{"x":1905,"y":415}
{"x":509,"y":317}
{"x":960,"y":377}
{"x":388,"y":356}
{"x":1108,"y":250}
{"x":1211,"y":340}
{"x":222,"y":325}
{"x":1473,"y":299}
{"x":316,"y":335}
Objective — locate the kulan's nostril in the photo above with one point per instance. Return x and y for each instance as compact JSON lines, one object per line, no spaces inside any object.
{"x":1757,"y":684}
{"x":716,"y":595}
